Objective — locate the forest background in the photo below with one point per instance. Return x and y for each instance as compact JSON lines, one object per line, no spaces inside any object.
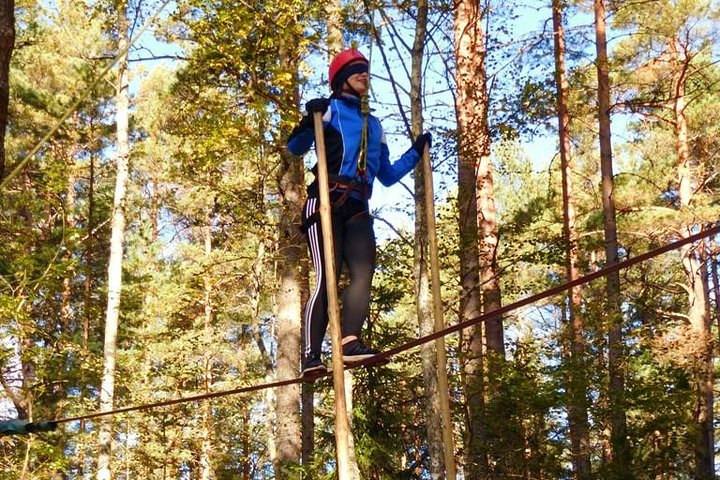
{"x":150,"y":248}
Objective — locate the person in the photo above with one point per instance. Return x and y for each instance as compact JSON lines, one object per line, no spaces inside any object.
{"x":357,"y":154}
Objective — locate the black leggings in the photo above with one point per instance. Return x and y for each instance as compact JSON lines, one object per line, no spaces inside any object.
{"x":354,"y":241}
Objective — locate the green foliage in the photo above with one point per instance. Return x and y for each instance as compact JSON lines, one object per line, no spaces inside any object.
{"x":199,"y":288}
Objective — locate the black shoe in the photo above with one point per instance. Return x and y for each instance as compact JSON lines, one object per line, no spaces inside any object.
{"x":356,"y":351}
{"x":313,"y":365}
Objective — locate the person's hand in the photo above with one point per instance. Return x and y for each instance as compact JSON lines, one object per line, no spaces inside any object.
{"x":420,"y":141}
{"x":317,"y":105}
{"x":307,"y":122}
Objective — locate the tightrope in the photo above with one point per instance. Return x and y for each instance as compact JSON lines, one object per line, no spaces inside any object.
{"x":714,"y":230}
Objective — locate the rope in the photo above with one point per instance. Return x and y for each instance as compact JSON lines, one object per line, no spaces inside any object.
{"x":384,"y":356}
{"x":371,"y":361}
{"x":365,"y":105}
{"x":630,"y":262}
{"x":88,"y":90}
{"x":194,"y":398}
{"x":365,"y":111}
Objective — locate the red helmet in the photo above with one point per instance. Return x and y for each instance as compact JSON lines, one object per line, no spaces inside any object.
{"x":343,"y":59}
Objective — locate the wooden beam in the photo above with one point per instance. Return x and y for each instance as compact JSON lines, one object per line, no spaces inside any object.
{"x":447,"y":428}
{"x":342,"y":430}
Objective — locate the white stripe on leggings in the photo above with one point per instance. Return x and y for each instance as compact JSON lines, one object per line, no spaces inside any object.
{"x":316,"y":255}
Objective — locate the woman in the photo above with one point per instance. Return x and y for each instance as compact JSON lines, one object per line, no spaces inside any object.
{"x":356,"y":154}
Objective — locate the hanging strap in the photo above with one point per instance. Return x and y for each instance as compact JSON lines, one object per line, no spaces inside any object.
{"x":361,"y":172}
{"x":362,"y":154}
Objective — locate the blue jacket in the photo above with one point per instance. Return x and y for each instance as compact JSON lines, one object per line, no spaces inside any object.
{"x":343,"y":128}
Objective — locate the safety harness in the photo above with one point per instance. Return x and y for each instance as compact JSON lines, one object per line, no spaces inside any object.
{"x":345,"y":184}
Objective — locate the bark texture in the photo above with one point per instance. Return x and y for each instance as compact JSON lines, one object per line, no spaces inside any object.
{"x":694,"y":264}
{"x":428,"y":352}
{"x":289,"y":426}
{"x":117,"y":242}
{"x":478,"y":231}
{"x":620,"y":455}
{"x":7,"y":44}
{"x":577,"y":385}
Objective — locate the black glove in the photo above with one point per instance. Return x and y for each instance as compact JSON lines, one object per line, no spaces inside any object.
{"x":420,"y":141}
{"x":307,"y":122}
{"x":317,"y":105}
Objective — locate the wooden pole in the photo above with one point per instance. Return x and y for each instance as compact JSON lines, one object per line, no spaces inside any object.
{"x":342,"y":430}
{"x":448,"y":443}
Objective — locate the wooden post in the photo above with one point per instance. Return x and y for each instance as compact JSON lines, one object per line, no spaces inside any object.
{"x":342,"y":430}
{"x":448,"y":442}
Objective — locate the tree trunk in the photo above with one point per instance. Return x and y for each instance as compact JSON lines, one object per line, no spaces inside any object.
{"x":117,"y":240}
{"x":470,"y":80}
{"x":155,"y":207}
{"x":714,"y":266}
{"x":247,"y":455}
{"x":71,"y":222}
{"x":486,"y":215}
{"x":89,"y":255}
{"x":289,"y":308}
{"x":489,"y":275}
{"x":7,"y":44}
{"x":428,"y":353}
{"x":353,"y":468}
{"x":577,"y":387}
{"x":293,"y":290}
{"x":693,"y":262}
{"x":207,"y":471}
{"x":307,"y":396}
{"x":288,"y":428}
{"x":87,"y":293}
{"x":335,"y":42}
{"x":620,"y":456}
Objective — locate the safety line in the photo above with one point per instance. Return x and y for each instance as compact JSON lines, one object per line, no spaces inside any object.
{"x":85,"y":94}
{"x":557,"y":289}
{"x":428,"y":338}
{"x":204,"y":396}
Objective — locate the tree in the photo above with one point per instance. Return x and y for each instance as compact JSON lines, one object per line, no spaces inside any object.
{"x":213,"y":266}
{"x":7,"y":44}
{"x":49,"y":193}
{"x":117,"y":242}
{"x":264,"y":77}
{"x":665,"y":67}
{"x":577,"y":408}
{"x":207,"y":468}
{"x":442,"y":462}
{"x":291,"y":286}
{"x":620,"y":460}
{"x":471,"y":107}
{"x":693,"y":258}
{"x":478,"y":230}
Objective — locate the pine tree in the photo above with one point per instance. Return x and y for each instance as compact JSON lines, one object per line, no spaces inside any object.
{"x":578,"y":405}
{"x":442,"y":460}
{"x":290,"y":290}
{"x":117,"y":244}
{"x":620,"y":456}
{"x":7,"y":44}
{"x":469,"y":52}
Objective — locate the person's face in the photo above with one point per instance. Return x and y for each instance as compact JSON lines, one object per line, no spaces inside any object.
{"x":359,"y":82}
